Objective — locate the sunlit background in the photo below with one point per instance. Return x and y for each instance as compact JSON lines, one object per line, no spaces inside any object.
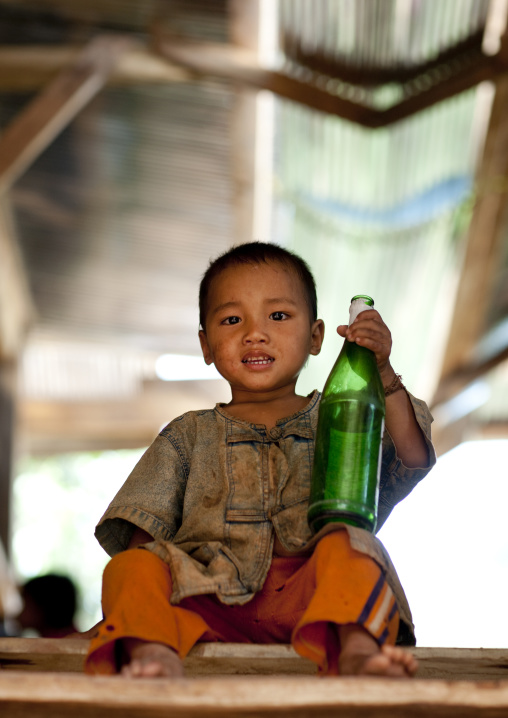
{"x":449,"y":543}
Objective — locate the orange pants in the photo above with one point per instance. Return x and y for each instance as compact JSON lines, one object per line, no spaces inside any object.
{"x":302,"y":601}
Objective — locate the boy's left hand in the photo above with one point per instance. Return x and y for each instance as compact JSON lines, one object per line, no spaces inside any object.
{"x":369,"y":330}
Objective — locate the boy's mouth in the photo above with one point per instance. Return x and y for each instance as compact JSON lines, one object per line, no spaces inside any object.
{"x":258,"y":360}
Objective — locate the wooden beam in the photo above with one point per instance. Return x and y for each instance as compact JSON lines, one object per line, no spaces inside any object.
{"x":52,"y":426}
{"x":485,"y":240}
{"x":252,"y":122}
{"x":493,"y":430}
{"x":68,"y":656}
{"x":16,"y":316}
{"x":206,"y":659}
{"x":28,"y":68}
{"x":474,"y":294}
{"x":243,"y":32}
{"x":454,"y":383}
{"x":47,"y":115}
{"x":451,"y":60}
{"x":241,"y":66}
{"x":447,"y":435}
{"x":7,"y":414}
{"x":16,"y":307}
{"x":24,"y":695}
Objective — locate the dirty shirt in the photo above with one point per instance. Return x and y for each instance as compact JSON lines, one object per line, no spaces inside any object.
{"x":213,"y":490}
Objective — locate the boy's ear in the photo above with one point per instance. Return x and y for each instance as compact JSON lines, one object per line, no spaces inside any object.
{"x":207,"y":355}
{"x":317,"y":336}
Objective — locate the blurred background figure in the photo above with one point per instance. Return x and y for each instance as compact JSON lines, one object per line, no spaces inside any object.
{"x":49,"y":606}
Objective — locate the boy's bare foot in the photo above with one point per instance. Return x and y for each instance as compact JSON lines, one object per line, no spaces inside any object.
{"x":361,"y":655}
{"x":151,"y":660}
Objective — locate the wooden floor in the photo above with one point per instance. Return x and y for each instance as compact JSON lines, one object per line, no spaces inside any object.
{"x":54,"y":695}
{"x":42,"y":678}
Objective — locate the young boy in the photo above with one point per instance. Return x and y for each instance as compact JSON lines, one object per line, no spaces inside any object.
{"x":219,"y":500}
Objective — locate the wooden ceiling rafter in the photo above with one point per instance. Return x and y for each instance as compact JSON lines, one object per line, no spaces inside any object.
{"x":485,"y":238}
{"x":240,"y":66}
{"x":28,"y":68}
{"x":177,"y":59}
{"x":449,"y":61}
{"x":51,"y":111}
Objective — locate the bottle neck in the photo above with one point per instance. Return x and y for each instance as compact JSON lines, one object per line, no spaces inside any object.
{"x":356,"y":307}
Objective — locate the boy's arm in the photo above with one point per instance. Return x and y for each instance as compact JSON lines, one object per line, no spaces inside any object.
{"x":401,"y":424}
{"x":370,"y":331}
{"x":139,"y":537}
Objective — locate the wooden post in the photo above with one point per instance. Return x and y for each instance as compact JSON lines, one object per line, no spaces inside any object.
{"x":16,"y":314}
{"x":7,"y":404}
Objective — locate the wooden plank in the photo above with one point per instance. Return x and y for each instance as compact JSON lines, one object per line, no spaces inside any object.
{"x":474,"y":664}
{"x":28,"y":68}
{"x":25,"y":695}
{"x":47,"y":115}
{"x":67,"y":655}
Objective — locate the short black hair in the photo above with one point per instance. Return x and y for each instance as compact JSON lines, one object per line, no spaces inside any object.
{"x":56,"y":597}
{"x":256,"y":253}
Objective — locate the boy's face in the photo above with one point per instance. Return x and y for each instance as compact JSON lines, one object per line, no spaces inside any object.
{"x":258,"y":329}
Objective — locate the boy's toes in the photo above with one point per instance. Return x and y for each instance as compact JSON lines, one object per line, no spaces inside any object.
{"x":400,"y":659}
{"x":152,"y":660}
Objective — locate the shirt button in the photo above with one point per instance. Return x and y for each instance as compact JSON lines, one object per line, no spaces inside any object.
{"x":275,"y":433}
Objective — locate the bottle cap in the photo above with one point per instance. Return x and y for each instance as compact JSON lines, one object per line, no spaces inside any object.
{"x":359,"y":303}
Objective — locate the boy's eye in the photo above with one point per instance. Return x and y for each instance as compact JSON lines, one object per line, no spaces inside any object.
{"x":279,"y":316}
{"x":231,"y":320}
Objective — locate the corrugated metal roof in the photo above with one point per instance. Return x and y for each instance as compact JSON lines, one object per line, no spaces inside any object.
{"x":382,"y":33}
{"x":144,"y":189}
{"x":383,"y":211}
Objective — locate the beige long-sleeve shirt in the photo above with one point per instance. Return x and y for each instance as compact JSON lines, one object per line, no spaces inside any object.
{"x":214,"y":490}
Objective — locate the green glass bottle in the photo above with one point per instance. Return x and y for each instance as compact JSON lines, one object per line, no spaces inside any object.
{"x":347,"y":456}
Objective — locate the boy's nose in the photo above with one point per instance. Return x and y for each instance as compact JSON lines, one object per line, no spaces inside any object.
{"x":255,"y":334}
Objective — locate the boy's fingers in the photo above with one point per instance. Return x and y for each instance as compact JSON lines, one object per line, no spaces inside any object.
{"x":376,"y":342}
{"x":373,"y":327}
{"x":369,"y":331}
